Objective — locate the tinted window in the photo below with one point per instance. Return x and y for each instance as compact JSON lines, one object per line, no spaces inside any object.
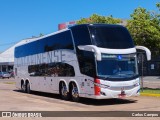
{"x":111,"y":36}
{"x":27,"y":49}
{"x":86,"y":59}
{"x":87,"y":63}
{"x":81,"y":35}
{"x":59,"y":41}
{"x":52,"y":69}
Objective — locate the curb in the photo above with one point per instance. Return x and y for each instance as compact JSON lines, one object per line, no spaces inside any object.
{"x":150,"y":94}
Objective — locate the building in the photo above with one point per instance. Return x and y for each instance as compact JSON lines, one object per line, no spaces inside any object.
{"x":65,"y":25}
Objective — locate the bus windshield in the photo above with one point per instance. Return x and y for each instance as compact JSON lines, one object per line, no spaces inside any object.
{"x":113,"y":37}
{"x":117,"y":67}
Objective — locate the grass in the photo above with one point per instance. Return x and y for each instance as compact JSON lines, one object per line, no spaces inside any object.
{"x":9,"y":83}
{"x":150,"y":92}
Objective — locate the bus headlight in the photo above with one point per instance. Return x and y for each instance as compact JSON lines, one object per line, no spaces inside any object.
{"x":104,"y":86}
{"x":136,"y":84}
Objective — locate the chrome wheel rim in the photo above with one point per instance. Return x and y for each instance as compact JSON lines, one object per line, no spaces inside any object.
{"x":23,"y":87}
{"x":75,"y":92}
{"x":64,"y":90}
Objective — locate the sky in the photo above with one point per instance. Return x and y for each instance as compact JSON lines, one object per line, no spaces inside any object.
{"x":21,"y":19}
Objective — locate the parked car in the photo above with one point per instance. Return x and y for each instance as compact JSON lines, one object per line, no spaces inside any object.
{"x":5,"y":75}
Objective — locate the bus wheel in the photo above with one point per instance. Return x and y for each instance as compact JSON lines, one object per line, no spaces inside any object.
{"x":23,"y":87}
{"x":28,"y":88}
{"x":74,"y":93}
{"x":63,"y":91}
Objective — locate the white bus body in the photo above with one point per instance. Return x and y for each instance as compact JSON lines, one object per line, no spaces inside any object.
{"x":92,"y":61}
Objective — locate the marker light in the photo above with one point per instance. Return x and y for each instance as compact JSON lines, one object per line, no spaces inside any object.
{"x":119,"y":57}
{"x":96,"y":87}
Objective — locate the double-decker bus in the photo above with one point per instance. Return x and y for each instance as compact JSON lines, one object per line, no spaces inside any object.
{"x":96,"y":61}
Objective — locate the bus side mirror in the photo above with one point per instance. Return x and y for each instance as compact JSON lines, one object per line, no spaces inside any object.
{"x":91,"y":48}
{"x":148,"y":52}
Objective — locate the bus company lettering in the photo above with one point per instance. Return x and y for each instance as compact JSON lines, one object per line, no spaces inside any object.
{"x":47,"y":57}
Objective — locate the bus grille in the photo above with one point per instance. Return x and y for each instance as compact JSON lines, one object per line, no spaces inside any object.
{"x":119,"y":88}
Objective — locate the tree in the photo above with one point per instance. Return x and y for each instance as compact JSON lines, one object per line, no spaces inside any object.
{"x":144,"y":27}
{"x":158,"y":5}
{"x":99,"y":19}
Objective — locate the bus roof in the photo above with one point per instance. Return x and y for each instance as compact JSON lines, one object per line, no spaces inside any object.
{"x":101,"y":24}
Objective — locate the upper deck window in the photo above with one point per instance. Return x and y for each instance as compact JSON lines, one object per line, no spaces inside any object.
{"x":110,"y":36}
{"x":57,"y":41}
{"x":81,"y":35}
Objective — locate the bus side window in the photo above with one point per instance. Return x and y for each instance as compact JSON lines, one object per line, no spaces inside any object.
{"x":60,"y":41}
{"x":87,"y":63}
{"x":52,"y":69}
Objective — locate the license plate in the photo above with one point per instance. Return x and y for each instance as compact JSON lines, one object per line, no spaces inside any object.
{"x":122,"y":95}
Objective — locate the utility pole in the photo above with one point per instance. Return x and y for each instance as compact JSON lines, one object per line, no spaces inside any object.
{"x":142,"y":59}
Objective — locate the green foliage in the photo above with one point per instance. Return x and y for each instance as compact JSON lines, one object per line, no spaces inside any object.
{"x":151,"y":91}
{"x":41,"y":34}
{"x":158,"y":5}
{"x":144,"y":27}
{"x":99,"y":19}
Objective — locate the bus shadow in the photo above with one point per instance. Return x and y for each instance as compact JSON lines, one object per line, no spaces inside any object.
{"x":86,"y":101}
{"x":42,"y":94}
{"x":111,"y":101}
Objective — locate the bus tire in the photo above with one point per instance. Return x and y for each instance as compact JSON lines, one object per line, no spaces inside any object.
{"x":28,"y":90}
{"x":74,"y":92}
{"x":23,"y":86}
{"x":63,"y":91}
